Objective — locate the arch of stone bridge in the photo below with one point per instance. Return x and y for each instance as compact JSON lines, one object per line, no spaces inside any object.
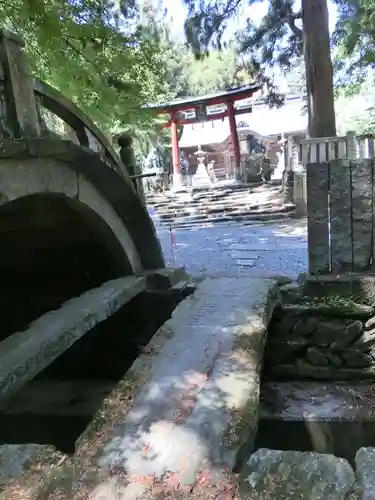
{"x":36,"y":159}
{"x":59,"y":236}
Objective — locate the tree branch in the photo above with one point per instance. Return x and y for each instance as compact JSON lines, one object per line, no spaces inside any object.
{"x":290,"y":18}
{"x":228,"y":11}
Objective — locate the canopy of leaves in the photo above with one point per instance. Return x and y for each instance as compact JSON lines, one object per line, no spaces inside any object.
{"x":217,"y":71}
{"x":93,"y":54}
{"x":276,"y":41}
{"x":356,"y":109}
{"x":355,"y":32}
{"x":113,"y":58}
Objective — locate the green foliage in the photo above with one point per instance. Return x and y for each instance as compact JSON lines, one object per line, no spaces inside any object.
{"x":217,"y":71}
{"x":287,"y":32}
{"x":355,"y":106}
{"x":355,"y":32}
{"x":78,"y":48}
{"x":101,"y":57}
{"x":276,"y":41}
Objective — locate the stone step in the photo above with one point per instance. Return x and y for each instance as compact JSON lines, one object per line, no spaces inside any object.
{"x":228,"y":218}
{"x":230,"y":209}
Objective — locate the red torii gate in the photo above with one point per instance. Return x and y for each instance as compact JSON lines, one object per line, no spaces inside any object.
{"x":199,"y":105}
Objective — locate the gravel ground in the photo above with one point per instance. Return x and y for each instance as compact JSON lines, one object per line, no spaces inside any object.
{"x":278,"y":248}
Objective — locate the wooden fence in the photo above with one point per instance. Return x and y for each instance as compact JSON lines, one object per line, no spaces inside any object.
{"x":340,"y":179}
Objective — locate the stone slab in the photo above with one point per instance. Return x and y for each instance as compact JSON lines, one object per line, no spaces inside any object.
{"x":341,"y":216}
{"x":318,"y":216}
{"x":24,"y":354}
{"x":362,"y":203}
{"x":359,"y":285}
{"x":191,"y":400}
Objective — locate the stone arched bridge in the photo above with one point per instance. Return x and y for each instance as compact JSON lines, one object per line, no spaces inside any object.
{"x":70,"y":220}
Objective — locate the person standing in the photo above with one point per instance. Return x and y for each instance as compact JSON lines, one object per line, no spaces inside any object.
{"x":127,"y":155}
{"x":189,"y":177}
{"x":211,"y":171}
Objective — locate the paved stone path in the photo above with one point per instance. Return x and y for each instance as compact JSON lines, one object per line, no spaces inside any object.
{"x":237,"y":249}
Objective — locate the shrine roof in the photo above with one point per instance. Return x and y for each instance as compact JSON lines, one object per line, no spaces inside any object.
{"x":235,"y":93}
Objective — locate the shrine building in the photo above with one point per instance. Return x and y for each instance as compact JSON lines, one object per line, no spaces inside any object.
{"x":220,"y":123}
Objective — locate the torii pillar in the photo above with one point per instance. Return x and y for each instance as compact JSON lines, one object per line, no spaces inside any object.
{"x":234,"y":139}
{"x":177,"y":178}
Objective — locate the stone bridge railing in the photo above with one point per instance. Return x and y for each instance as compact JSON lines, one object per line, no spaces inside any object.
{"x":25,"y":109}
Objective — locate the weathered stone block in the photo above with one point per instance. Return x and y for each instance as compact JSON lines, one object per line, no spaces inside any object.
{"x":316,"y":357}
{"x":293,"y":475}
{"x":350,"y":333}
{"x":25,"y":354}
{"x":362,"y":217}
{"x":305,"y":327}
{"x":365,"y":470}
{"x":340,"y":216}
{"x":327,"y":332}
{"x":291,"y":292}
{"x":370,"y":323}
{"x":339,"y":310}
{"x":317,"y":179}
{"x":360,"y":286}
{"x":165,"y":278}
{"x":367,"y":341}
{"x":354,"y":358}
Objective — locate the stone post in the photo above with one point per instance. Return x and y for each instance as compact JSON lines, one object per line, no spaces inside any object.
{"x":288,"y":175}
{"x":351,"y":145}
{"x":300,"y":196}
{"x":21,"y":107}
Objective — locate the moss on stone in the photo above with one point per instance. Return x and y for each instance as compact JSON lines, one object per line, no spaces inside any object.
{"x":334,"y":301}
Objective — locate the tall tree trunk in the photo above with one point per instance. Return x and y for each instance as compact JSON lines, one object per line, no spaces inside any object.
{"x":319,"y":74}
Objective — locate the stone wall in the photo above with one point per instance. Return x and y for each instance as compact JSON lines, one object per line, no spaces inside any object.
{"x":330,"y":338}
{"x":309,"y":337}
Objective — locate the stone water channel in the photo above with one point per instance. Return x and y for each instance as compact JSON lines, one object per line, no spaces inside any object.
{"x":298,"y":372}
{"x":319,"y":365}
{"x":316,"y":424}
{"x":56,"y":405}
